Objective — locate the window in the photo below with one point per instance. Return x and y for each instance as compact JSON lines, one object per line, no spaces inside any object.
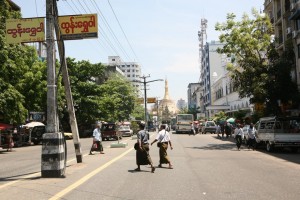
{"x":113,"y":59}
{"x":128,"y":70}
{"x":128,"y":75}
{"x":137,"y":70}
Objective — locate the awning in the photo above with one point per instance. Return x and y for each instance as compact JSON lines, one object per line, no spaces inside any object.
{"x":5,"y":126}
{"x":295,"y":15}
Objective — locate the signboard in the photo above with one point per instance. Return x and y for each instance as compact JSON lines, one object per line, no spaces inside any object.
{"x":151,"y":100}
{"x":74,"y":27}
{"x":140,"y":100}
{"x":25,"y":30}
{"x":37,"y":116}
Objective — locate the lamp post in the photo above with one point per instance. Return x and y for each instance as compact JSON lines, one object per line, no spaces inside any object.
{"x":145,"y":94}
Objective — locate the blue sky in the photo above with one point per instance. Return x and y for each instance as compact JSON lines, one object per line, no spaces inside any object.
{"x":162,"y":34}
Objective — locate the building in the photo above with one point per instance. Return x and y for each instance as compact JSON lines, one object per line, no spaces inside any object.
{"x":193,"y":95}
{"x":181,"y":104}
{"x":131,"y":70}
{"x":210,"y":67}
{"x":285,"y":16}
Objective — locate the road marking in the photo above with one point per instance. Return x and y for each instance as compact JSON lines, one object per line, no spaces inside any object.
{"x":30,"y":176}
{"x":39,"y":173}
{"x":88,"y":176}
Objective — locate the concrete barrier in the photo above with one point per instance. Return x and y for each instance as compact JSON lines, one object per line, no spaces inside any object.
{"x":53,"y":155}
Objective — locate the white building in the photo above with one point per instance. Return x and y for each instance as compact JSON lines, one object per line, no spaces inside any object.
{"x":131,"y":70}
{"x":211,"y":64}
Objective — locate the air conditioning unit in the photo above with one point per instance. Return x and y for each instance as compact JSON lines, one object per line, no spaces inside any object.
{"x":288,"y":30}
{"x":294,"y":34}
{"x":293,"y":6}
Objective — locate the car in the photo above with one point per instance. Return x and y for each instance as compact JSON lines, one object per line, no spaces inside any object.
{"x":209,"y":127}
{"x":125,"y":131}
{"x":68,"y":136}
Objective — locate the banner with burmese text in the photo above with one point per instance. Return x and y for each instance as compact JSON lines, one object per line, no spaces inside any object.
{"x":25,"y":30}
{"x":74,"y":27}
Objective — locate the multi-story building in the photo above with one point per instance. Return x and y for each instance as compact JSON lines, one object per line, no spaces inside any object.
{"x":181,"y":104}
{"x":193,"y":95}
{"x":285,"y":17}
{"x":131,"y":70}
{"x":210,"y":65}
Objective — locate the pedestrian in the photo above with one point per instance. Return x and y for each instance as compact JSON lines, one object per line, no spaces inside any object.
{"x":197,"y":127}
{"x":228,"y":130}
{"x":164,"y":139}
{"x":251,"y":138}
{"x":142,"y":152}
{"x":10,"y":141}
{"x":192,"y":129}
{"x":97,"y":139}
{"x":238,"y":134}
{"x":218,"y":130}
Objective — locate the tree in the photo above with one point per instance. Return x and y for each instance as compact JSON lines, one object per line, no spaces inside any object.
{"x":117,"y":99}
{"x":248,"y":41}
{"x":15,"y":61}
{"x":255,"y":61}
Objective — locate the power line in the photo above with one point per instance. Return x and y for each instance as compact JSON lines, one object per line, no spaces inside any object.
{"x":122,"y":29}
{"x":111,"y":31}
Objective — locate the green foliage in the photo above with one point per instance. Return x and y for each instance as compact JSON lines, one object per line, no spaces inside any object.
{"x":256,"y":62}
{"x":248,"y":41}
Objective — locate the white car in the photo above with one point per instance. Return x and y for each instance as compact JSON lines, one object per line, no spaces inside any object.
{"x":125,"y":130}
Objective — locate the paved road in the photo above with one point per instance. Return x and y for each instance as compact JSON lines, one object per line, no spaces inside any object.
{"x":204,"y":168}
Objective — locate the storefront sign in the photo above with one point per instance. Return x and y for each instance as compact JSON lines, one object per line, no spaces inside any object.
{"x":74,"y":27}
{"x":25,"y":30}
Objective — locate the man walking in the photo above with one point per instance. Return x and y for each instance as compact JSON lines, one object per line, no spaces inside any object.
{"x":238,"y":133}
{"x":97,"y":139}
{"x":163,"y":137}
{"x":251,"y":140}
{"x":142,"y":153}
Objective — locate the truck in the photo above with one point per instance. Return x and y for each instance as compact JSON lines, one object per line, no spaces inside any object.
{"x":183,"y":123}
{"x":278,"y":132}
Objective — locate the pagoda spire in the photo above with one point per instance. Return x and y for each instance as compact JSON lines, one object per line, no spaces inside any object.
{"x":166,"y":90}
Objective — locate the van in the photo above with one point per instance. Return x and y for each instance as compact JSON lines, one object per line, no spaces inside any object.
{"x":275,"y":132}
{"x":110,"y":131}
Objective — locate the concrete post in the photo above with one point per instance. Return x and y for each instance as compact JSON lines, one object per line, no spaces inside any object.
{"x":53,"y":148}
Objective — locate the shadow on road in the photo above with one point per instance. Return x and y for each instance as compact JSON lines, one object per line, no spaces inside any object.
{"x":19,"y":177}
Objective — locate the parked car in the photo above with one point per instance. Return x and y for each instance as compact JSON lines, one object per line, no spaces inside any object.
{"x":110,"y":130}
{"x":37,"y":134}
{"x":125,"y":131}
{"x":209,"y":127}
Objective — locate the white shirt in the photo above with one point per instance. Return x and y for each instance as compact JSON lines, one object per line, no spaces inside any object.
{"x":239,"y":131}
{"x":251,"y":132}
{"x":97,"y":134}
{"x":163,"y":136}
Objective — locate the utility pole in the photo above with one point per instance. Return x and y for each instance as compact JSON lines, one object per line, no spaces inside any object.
{"x":53,"y":147}
{"x":52,"y":119}
{"x":145,"y":95}
{"x":68,"y":92}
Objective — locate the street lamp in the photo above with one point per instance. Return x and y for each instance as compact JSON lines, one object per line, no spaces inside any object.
{"x":145,"y":94}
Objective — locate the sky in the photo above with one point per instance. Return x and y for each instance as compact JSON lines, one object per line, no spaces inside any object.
{"x":161,"y":35}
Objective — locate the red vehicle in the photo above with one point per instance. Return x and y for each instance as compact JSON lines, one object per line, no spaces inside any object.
{"x":110,"y":130}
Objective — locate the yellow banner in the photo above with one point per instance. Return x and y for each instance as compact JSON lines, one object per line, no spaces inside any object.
{"x":74,"y":27}
{"x":140,"y":100}
{"x":25,"y":30}
{"x":151,"y":100}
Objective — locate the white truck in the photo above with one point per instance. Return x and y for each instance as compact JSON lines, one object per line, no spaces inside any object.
{"x":276,"y":132}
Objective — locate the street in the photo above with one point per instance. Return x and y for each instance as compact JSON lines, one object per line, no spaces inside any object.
{"x":205,"y":167}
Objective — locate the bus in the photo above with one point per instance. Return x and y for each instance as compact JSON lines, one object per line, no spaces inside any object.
{"x":183,"y":123}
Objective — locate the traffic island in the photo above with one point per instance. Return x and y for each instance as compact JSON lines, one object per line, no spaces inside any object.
{"x":118,"y":145}
{"x":134,"y":137}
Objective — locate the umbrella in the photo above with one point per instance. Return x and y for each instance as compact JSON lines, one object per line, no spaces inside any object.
{"x":231,"y":120}
{"x":5,"y":126}
{"x":33,"y":124}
